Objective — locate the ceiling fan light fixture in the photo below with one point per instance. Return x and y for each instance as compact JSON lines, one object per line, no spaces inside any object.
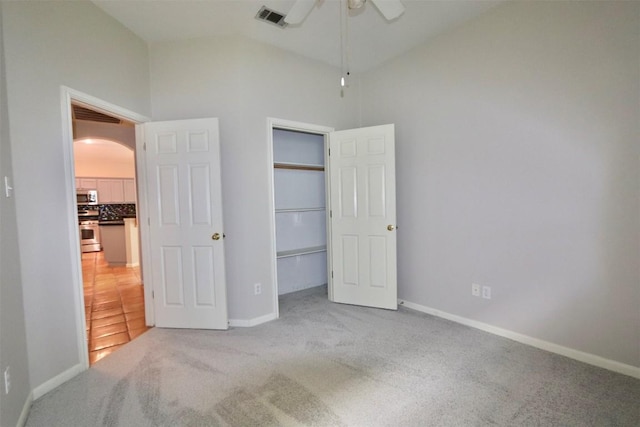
{"x":356,"y":4}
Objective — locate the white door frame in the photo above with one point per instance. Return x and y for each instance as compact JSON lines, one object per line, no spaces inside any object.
{"x":68,"y":96}
{"x":273,"y":123}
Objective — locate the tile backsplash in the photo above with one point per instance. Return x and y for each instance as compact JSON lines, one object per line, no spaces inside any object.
{"x":117,"y":211}
{"x":110,"y":212}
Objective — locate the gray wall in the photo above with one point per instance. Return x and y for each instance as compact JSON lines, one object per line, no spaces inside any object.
{"x":518,"y":144}
{"x":240,"y":81}
{"x":243,"y":82}
{"x":49,"y":44}
{"x":13,"y":344}
{"x":517,"y":152}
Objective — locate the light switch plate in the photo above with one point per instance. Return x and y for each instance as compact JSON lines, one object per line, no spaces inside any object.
{"x":8,"y":189}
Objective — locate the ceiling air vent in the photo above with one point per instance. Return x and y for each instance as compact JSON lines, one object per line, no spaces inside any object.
{"x":81,"y":113}
{"x":271,"y":16}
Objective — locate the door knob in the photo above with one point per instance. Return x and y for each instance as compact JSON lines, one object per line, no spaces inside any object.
{"x":391,"y":227}
{"x":216,"y":236}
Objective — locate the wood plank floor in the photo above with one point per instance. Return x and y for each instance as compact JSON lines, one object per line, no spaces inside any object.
{"x":113,"y":303}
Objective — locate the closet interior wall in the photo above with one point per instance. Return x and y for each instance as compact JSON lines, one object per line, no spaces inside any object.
{"x":300,"y":212}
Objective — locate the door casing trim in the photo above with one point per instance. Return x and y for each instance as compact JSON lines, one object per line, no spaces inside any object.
{"x":67,"y":96}
{"x":274,"y":123}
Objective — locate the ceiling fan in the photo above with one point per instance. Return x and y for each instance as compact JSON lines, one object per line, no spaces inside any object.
{"x":390,"y":9}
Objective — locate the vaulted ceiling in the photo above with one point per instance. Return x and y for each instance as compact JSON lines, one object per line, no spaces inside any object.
{"x":370,"y":39}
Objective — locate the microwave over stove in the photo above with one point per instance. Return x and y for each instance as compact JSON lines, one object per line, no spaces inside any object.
{"x":87,"y":197}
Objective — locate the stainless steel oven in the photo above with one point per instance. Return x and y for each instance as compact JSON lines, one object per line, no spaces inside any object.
{"x":90,"y":236}
{"x":89,"y":231}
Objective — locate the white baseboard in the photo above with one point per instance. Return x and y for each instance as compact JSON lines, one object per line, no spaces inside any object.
{"x":60,"y":379}
{"x":591,"y":359}
{"x":247,"y":323}
{"x":25,"y":411}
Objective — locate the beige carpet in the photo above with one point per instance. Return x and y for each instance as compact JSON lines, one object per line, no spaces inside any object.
{"x":324,"y":364}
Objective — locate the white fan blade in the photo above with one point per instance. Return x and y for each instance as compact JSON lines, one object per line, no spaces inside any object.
{"x":299,"y":11}
{"x":390,"y":9}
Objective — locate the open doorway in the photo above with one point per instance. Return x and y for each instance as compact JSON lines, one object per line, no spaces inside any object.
{"x":300,"y":208}
{"x":111,"y":290}
{"x":359,"y":237}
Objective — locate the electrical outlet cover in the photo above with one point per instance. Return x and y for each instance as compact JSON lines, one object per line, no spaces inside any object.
{"x":475,"y":289}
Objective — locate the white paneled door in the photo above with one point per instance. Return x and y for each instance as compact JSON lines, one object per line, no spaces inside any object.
{"x":185,"y":224}
{"x":363,"y":217}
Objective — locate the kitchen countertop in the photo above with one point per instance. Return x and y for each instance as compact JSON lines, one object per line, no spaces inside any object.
{"x":117,"y":212}
{"x":114,"y":215}
{"x":111,"y":222}
{"x":116,"y":221}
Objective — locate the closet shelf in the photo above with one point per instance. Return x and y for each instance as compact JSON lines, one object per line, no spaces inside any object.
{"x":298,"y":166}
{"x":300,"y":210}
{"x":301,"y":251}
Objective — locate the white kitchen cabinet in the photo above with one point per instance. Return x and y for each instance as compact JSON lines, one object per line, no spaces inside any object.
{"x":117,"y":191}
{"x":300,"y":214}
{"x":129,"y":190}
{"x":104,"y":190}
{"x":110,"y":190}
{"x":87,"y":183}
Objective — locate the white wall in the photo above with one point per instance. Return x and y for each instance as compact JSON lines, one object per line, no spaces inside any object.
{"x":123,"y":134}
{"x":13,"y":342}
{"x":103,"y":159}
{"x":517,"y":152}
{"x":243,"y":82}
{"x":49,"y":44}
{"x":518,"y":143}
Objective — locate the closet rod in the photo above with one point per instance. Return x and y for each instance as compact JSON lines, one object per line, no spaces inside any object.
{"x":298,"y":167}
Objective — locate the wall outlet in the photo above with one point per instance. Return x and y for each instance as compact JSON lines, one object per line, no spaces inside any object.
{"x":475,"y":289}
{"x":486,"y":292}
{"x":257,"y":289}
{"x":7,"y":380}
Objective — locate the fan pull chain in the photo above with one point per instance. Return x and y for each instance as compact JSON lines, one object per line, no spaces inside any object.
{"x":344,"y":46}
{"x":342,"y":80}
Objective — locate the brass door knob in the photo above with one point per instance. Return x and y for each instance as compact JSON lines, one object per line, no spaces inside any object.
{"x":391,"y":227}
{"x":216,"y":236}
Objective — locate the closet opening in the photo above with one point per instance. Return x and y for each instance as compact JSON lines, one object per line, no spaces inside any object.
{"x":300,"y":200}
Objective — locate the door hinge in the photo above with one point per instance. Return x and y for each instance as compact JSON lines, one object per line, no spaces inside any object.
{"x":332,"y":274}
{"x":149,"y":222}
{"x":144,"y":146}
{"x":329,"y":151}
{"x":330,"y":214}
{"x":153,"y":295}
